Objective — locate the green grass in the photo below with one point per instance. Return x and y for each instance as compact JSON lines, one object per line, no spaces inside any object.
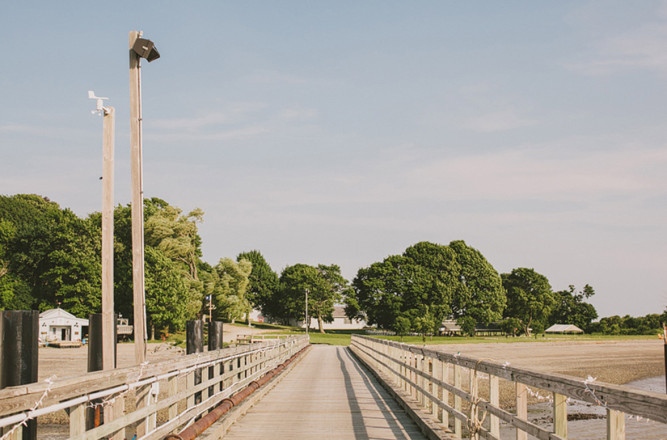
{"x":343,"y":337}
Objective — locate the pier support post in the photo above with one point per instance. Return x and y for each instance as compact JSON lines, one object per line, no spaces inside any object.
{"x":194,"y":344}
{"x":20,"y":354}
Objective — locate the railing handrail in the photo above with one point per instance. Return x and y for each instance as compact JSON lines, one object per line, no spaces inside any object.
{"x":615,"y":398}
{"x":109,"y":389}
{"x":22,"y":397}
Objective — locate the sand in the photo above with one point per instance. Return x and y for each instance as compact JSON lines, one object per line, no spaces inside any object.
{"x":617,"y":362}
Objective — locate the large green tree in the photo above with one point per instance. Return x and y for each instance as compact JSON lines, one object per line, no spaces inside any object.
{"x":431,"y":280}
{"x":529,"y":297}
{"x":399,"y":287}
{"x":56,"y":255}
{"x":479,"y":294}
{"x":170,"y":236}
{"x":262,"y":282}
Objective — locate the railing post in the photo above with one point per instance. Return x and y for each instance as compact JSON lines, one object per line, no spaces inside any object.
{"x":521,"y":408}
{"x":173,"y":390}
{"x":457,"y":400}
{"x":437,"y":389}
{"x":142,"y":400}
{"x":77,"y":420}
{"x":560,"y":414}
{"x":424,"y":381}
{"x":615,"y":425}
{"x":494,"y":399}
{"x":445,"y":394}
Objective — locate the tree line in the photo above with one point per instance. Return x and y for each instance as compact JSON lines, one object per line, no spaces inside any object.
{"x":50,"y":257}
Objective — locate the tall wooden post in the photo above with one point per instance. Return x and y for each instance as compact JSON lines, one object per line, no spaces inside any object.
{"x":108,"y":321}
{"x":137,"y":204}
{"x":20,"y":356}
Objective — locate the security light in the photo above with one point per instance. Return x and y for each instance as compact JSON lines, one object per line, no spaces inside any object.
{"x":146,"y":49}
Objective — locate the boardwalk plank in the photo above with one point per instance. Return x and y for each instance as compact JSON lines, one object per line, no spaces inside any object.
{"x":327,"y":395}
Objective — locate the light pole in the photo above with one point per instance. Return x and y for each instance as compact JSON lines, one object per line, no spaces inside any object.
{"x":108,"y":340}
{"x":139,"y":48}
{"x":307,"y":324}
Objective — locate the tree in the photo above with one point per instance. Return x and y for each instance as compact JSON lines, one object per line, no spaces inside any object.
{"x":58,"y":258}
{"x":454,"y":280}
{"x":510,"y":326}
{"x":262,"y":282}
{"x":402,"y":326}
{"x":171,"y":234}
{"x":479,"y":293}
{"x":392,"y":288}
{"x":570,"y":308}
{"x":324,"y":284}
{"x":230,"y":288}
{"x":529,"y":296}
{"x":166,"y":293}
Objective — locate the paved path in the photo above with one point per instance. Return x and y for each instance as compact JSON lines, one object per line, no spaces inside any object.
{"x":327,"y":395}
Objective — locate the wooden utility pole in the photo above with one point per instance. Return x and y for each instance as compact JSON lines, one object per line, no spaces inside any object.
{"x":307,"y":324}
{"x":108,"y":321}
{"x":137,"y":204}
{"x":664,"y":339}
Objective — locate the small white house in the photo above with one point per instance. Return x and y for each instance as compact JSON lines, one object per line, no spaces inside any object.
{"x":59,"y":325}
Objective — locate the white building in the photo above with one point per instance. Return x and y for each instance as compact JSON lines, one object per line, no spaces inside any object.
{"x":340,"y":322}
{"x":59,"y":325}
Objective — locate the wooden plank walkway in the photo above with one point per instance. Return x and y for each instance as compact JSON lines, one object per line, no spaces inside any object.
{"x":328,"y":395}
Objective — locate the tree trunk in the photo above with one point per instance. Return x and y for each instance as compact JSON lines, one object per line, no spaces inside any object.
{"x":320,"y":323}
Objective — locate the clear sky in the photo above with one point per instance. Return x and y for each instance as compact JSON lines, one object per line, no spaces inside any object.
{"x":343,"y":132}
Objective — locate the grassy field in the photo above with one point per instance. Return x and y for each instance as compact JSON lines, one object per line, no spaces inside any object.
{"x":343,"y":337}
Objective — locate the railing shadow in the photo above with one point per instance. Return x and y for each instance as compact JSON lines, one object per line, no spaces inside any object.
{"x":377,"y":394}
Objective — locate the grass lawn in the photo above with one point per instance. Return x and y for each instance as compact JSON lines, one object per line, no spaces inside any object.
{"x":343,"y":337}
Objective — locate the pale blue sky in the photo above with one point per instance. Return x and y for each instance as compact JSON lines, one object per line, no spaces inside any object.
{"x":342,"y":132}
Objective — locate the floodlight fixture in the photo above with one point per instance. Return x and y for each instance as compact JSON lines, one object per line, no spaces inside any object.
{"x":146,"y":49}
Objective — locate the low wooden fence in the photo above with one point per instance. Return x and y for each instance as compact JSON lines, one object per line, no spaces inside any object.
{"x":151,"y":400}
{"x":435,"y":380}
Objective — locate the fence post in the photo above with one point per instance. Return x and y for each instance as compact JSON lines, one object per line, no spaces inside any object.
{"x":494,"y":399}
{"x":20,"y":355}
{"x":615,"y":425}
{"x":521,"y":408}
{"x":437,"y":389}
{"x":560,"y":414}
{"x":457,"y":400}
{"x":445,"y":393}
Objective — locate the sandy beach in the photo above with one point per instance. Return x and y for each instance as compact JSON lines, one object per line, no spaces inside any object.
{"x":614,"y":361}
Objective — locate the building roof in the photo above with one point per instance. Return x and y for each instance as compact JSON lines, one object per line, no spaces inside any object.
{"x":60,"y":315}
{"x":450,"y":326}
{"x":563,"y":328}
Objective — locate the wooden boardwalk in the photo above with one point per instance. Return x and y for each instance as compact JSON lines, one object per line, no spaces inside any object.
{"x":328,"y":395}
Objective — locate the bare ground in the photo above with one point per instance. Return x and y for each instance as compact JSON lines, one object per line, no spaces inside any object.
{"x":64,"y":362}
{"x":616,"y":362}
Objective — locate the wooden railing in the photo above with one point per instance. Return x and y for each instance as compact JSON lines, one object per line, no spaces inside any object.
{"x":151,"y":400}
{"x":435,"y":380}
